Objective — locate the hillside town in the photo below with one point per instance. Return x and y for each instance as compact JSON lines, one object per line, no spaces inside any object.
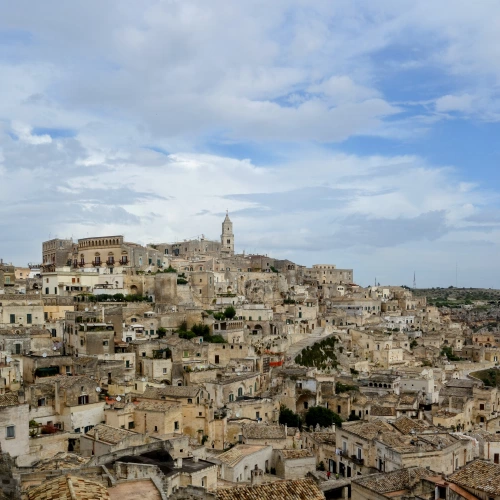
{"x":185,"y":370}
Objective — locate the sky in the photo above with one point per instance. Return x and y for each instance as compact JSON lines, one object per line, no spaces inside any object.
{"x":358,"y":133}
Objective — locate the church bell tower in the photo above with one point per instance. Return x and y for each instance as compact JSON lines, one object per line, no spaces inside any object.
{"x":227,"y":237}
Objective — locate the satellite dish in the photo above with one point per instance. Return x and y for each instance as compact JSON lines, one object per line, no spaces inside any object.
{"x":54,"y":348}
{"x":8,"y":360}
{"x":143,"y":379}
{"x":237,"y":414}
{"x":97,"y":389}
{"x":118,"y":398}
{"x":44,"y":354}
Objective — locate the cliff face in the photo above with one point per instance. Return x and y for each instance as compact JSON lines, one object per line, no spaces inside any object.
{"x":10,"y":487}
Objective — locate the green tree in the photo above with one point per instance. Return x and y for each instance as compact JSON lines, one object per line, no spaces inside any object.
{"x":230,"y":312}
{"x":289,"y":418}
{"x":322,"y":416}
{"x":161,"y":332}
{"x":201,"y":330}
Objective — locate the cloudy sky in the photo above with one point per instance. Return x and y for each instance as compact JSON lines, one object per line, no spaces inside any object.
{"x":359,"y":133}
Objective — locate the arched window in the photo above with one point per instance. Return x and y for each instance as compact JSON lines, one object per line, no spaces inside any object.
{"x":240,"y":392}
{"x":231,"y":398}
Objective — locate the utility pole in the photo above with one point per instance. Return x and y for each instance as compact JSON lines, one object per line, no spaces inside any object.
{"x":414,"y":280}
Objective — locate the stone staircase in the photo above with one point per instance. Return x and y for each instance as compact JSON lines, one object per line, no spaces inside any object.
{"x":317,"y":335}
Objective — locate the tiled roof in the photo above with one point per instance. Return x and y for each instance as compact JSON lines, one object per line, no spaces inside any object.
{"x":69,"y":488}
{"x":406,"y":425}
{"x":62,"y":460}
{"x":294,"y":454}
{"x":479,"y":475}
{"x":9,"y":399}
{"x":235,"y":454}
{"x":324,"y":437}
{"x":67,"y":381}
{"x":159,"y":406}
{"x":171,"y":391}
{"x":298,"y":489}
{"x":261,"y":431}
{"x":383,"y":411}
{"x":367,"y":430}
{"x":393,"y":481}
{"x":109,"y":434}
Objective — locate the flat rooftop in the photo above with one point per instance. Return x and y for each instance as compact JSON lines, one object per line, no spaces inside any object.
{"x":135,"y":490}
{"x":165,"y":462}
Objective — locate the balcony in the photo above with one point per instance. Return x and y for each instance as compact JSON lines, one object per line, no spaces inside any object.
{"x":123,"y":261}
{"x":96,"y":263}
{"x":356,"y":460}
{"x":110,"y":262}
{"x":81,"y":263}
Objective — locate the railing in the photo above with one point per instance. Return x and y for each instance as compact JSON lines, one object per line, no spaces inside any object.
{"x":110,"y":262}
{"x":96,"y":263}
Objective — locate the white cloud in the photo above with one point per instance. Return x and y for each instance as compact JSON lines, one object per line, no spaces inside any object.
{"x":24,"y":134}
{"x":455,"y":103}
{"x":190,"y":76}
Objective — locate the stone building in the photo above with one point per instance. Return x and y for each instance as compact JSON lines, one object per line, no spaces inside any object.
{"x":158,"y":417}
{"x":103,"y":439}
{"x":14,"y":425}
{"x":237,"y":464}
{"x":294,"y":464}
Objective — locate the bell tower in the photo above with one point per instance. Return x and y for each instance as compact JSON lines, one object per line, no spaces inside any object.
{"x":227,"y":237}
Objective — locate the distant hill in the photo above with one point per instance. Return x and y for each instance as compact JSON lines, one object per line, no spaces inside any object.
{"x":456,"y":297}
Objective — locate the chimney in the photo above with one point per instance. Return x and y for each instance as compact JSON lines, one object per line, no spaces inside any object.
{"x":195,"y":460}
{"x":178,"y":463}
{"x":57,"y":402}
{"x":286,"y":430}
{"x":256,"y":477}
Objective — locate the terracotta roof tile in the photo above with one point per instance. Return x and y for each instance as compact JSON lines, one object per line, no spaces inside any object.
{"x":69,"y":488}
{"x":298,"y":489}
{"x":479,"y":475}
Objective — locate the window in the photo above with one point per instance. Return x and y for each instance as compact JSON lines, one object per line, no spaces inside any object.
{"x":12,"y":318}
{"x":481,"y":406}
{"x":190,"y":401}
{"x":164,"y":371}
{"x":240,"y":392}
{"x":41,"y":402}
{"x":257,"y":415}
{"x":131,"y":425}
{"x":176,"y":426}
{"x":29,"y":319}
{"x":10,"y":432}
{"x":231,"y":398}
{"x":83,"y":400}
{"x":105,"y":342}
{"x":306,"y":405}
{"x":156,"y":428}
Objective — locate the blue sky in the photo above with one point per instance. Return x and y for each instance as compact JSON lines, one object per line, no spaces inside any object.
{"x":363,"y":134}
